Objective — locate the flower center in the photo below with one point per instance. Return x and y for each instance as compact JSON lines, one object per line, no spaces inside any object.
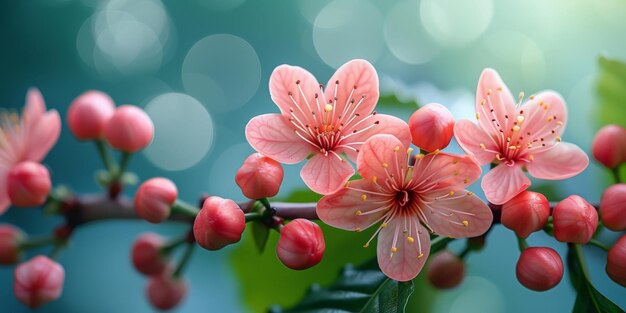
{"x":403,"y":197}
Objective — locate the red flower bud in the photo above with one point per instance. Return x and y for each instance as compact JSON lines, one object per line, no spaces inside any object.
{"x":130,"y":129}
{"x":219,"y":223}
{"x":616,"y":261}
{"x":613,"y":207}
{"x":259,"y":176}
{"x":526,"y":213}
{"x":609,"y":146}
{"x":539,"y":268}
{"x":10,"y":239}
{"x":146,"y":254}
{"x":38,"y":281}
{"x":28,"y":184}
{"x":301,"y":244}
{"x":89,"y":113}
{"x":445,"y":270}
{"x":154,"y":199}
{"x":165,"y":291}
{"x":432,"y":127}
{"x":575,"y":220}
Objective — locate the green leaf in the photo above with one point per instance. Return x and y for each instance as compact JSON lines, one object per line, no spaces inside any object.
{"x":364,"y":289}
{"x":612,"y":91}
{"x":589,"y":299}
{"x":260,"y":234}
{"x":391,"y":101}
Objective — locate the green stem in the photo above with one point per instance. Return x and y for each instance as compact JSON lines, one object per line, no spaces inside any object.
{"x":578,"y":250}
{"x":266,"y":203}
{"x":465,"y":252}
{"x":595,"y":242}
{"x":616,"y":176}
{"x":38,"y":242}
{"x":522,"y":244}
{"x":184,"y":260}
{"x":253,"y":216}
{"x":104,"y":154}
{"x":124,"y":160}
{"x":167,"y":249}
{"x":183,"y":208}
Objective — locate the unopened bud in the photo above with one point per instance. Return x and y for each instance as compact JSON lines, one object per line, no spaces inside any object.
{"x":28,"y":184}
{"x":219,"y":223}
{"x":526,"y":213}
{"x":38,"y":281}
{"x":165,"y":291}
{"x":616,"y":261}
{"x":539,"y":268}
{"x":130,"y":129}
{"x":89,"y":113}
{"x":575,"y":220}
{"x":10,"y":239}
{"x":609,"y":146}
{"x":445,"y":270}
{"x":613,"y":207}
{"x":259,"y":177}
{"x":432,"y":127}
{"x":301,"y":244}
{"x":146,"y":254}
{"x":154,"y":199}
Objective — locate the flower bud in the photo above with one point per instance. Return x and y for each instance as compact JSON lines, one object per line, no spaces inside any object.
{"x":38,"y":281}
{"x":28,"y":184}
{"x":301,"y":244}
{"x":432,"y":127}
{"x":219,"y":223}
{"x":165,"y":291}
{"x":526,"y":213}
{"x":609,"y":146}
{"x":154,"y":199}
{"x":445,"y":270}
{"x":616,"y":261}
{"x":575,"y":220}
{"x":10,"y":239}
{"x":146,"y":254}
{"x":259,"y":177}
{"x":613,"y":207}
{"x":539,"y":268}
{"x":130,"y":129}
{"x":89,"y":113}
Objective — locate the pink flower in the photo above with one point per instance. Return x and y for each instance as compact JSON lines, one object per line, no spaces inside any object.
{"x":411,"y":201}
{"x":324,"y":124}
{"x":38,"y":281}
{"x":26,"y":139}
{"x":517,"y":137}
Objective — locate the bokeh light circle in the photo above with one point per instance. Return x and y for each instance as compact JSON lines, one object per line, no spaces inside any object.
{"x":456,"y":23}
{"x":183,"y":131}
{"x":348,"y":29}
{"x":223,"y":71}
{"x":405,"y":35}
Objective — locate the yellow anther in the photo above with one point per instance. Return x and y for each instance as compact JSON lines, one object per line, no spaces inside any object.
{"x":420,"y":256}
{"x":358,"y":229}
{"x":396,"y":148}
{"x":366,"y":245}
{"x":499,"y":89}
{"x":436,"y":151}
{"x":410,"y":239}
{"x":363,"y":197}
{"x":483,"y":101}
{"x":451,"y":193}
{"x":419,"y":156}
{"x":521,"y":95}
{"x":531,"y":97}
{"x":469,"y":193}
{"x":455,"y":161}
{"x":394,"y":249}
{"x":465,"y":181}
{"x":520,"y":119}
{"x":558,"y":139}
{"x":383,"y":225}
{"x":328,"y":108}
{"x":358,"y":212}
{"x":374,"y":179}
{"x":531,"y":157}
{"x":550,"y":119}
{"x":477,"y":116}
{"x":516,"y":128}
{"x":456,"y":173}
{"x":347,"y":184}
{"x":465,"y":223}
{"x":409,"y":150}
{"x":559,"y":123}
{"x":512,"y":147}
{"x":540,"y":103}
{"x":385,"y":165}
{"x":482,"y":146}
{"x":489,"y":91}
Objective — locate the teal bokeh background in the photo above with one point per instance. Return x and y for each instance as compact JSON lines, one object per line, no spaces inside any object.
{"x":222,"y":53}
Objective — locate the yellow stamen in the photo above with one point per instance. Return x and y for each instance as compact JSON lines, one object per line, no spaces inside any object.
{"x":358,"y":212}
{"x":516,"y":128}
{"x":396,"y":148}
{"x":383,"y":225}
{"x":358,"y":229}
{"x":374,"y":179}
{"x":419,"y":156}
{"x":385,"y":165}
{"x":469,"y":193}
{"x":363,"y":197}
{"x":482,"y":146}
{"x":328,"y":108}
{"x":455,"y":161}
{"x":465,"y":223}
{"x":451,"y":193}
{"x":477,"y":116}
{"x":558,"y":139}
{"x":366,"y":245}
{"x":394,"y":249}
{"x":410,"y":239}
{"x":420,"y":256}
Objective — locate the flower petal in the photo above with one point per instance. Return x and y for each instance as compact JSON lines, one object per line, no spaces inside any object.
{"x":384,"y":124}
{"x":273,"y":136}
{"x":563,"y":160}
{"x":4,"y":197}
{"x":470,"y":137}
{"x":41,"y":136}
{"x":503,"y":183}
{"x":443,"y":171}
{"x":35,"y":105}
{"x":379,"y":157}
{"x":348,"y":209}
{"x":325,"y":174}
{"x":410,"y":254}
{"x":498,"y":102}
{"x":356,"y":80}
{"x":293,"y":89}
{"x":544,"y":113}
{"x":457,"y":216}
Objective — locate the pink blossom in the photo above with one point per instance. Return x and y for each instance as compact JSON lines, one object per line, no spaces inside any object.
{"x":518,"y":137}
{"x":323,"y":123}
{"x":411,"y":201}
{"x":38,"y":281}
{"x":28,"y":138}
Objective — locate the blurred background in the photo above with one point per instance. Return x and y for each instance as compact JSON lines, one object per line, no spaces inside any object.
{"x":200,"y":68}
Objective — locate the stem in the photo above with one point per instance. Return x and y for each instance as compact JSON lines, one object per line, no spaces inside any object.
{"x":56,"y":251}
{"x":125,"y":158}
{"x":595,"y":242}
{"x":266,"y":203}
{"x":465,"y":252}
{"x":616,"y":175}
{"x":522,"y":244}
{"x":183,"y":208}
{"x":184,"y":260}
{"x":167,"y":249}
{"x":578,"y":250}
{"x":253,"y":216}
{"x":105,"y":156}
{"x":38,"y":242}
